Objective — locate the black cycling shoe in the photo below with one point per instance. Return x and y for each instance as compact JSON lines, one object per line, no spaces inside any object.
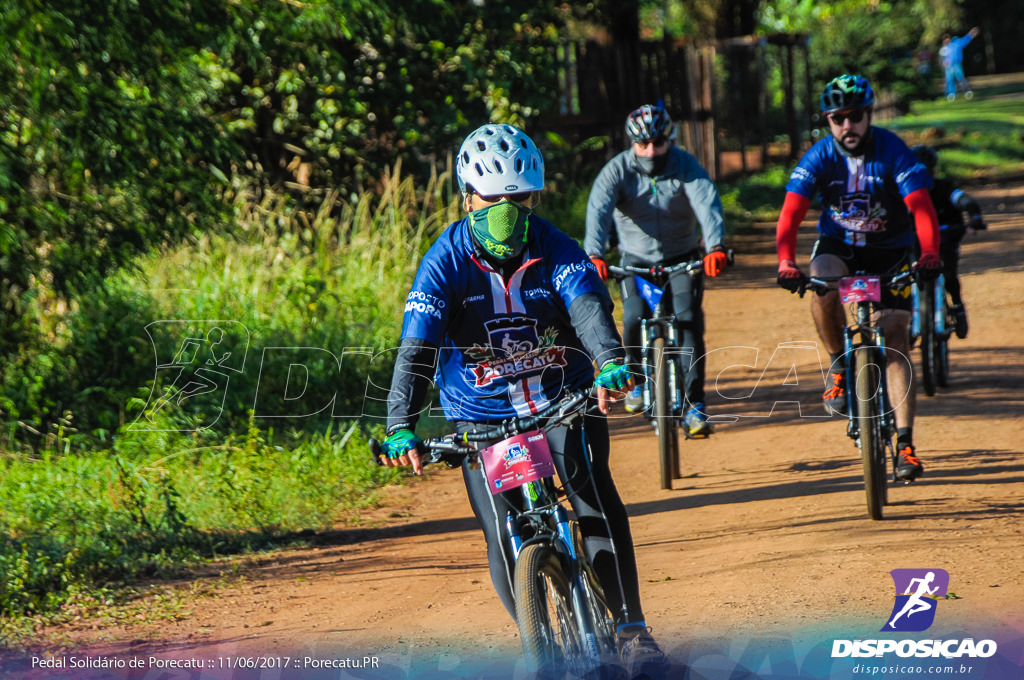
{"x":959,"y":320}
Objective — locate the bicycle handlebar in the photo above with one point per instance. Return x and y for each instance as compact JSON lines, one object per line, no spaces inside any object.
{"x":824,"y":284}
{"x":691,"y":267}
{"x":438,"y":449}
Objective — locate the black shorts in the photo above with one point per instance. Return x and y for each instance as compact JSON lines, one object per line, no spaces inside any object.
{"x":879,"y":261}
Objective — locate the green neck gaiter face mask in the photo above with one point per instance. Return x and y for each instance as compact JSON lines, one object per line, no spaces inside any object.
{"x":501,"y":229}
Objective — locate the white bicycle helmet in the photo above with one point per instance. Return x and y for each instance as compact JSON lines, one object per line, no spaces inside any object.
{"x":496,"y":160}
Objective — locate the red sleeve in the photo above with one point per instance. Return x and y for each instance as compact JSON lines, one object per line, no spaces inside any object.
{"x":794,"y":209}
{"x":926,"y":222}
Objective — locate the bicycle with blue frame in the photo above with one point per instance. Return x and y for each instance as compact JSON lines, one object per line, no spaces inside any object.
{"x":664,"y":397}
{"x":563,"y":619}
{"x":872,"y":422}
{"x":932,"y":325}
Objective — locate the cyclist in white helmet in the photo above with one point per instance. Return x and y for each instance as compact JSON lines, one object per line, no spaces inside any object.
{"x":506,"y":314}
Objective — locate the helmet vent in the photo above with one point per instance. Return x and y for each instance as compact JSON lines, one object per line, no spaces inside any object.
{"x":498,"y":166}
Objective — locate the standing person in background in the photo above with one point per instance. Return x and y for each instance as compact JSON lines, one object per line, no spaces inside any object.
{"x":952,"y":55}
{"x":655,"y":195}
{"x":950,"y":204}
{"x":874,"y":197}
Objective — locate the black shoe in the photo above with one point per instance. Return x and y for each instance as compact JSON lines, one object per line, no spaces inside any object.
{"x":835,"y":395}
{"x":908,"y":465}
{"x":641,"y":655}
{"x":959,"y":320}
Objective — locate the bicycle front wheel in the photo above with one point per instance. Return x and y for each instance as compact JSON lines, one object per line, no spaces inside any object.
{"x":926,"y":306}
{"x":868,"y":375}
{"x":544,"y":611}
{"x":668,"y":428}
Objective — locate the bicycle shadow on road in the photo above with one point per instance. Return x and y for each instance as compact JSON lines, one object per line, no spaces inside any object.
{"x":957,"y":468}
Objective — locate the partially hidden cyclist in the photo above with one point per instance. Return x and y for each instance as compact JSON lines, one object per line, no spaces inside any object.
{"x":653,"y":196}
{"x":874,"y":198}
{"x":506,"y":313}
{"x":950,"y":205}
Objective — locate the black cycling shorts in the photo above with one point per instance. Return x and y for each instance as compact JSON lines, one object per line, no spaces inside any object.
{"x":879,"y":261}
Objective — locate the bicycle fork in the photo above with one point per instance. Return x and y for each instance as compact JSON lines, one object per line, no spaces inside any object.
{"x":651,"y":329}
{"x":869,"y":337}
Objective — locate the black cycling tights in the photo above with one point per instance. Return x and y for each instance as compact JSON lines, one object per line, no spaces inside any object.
{"x":595,"y":500}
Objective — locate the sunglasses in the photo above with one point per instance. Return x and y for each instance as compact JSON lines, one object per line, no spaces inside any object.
{"x":657,"y":141}
{"x":840,"y":118}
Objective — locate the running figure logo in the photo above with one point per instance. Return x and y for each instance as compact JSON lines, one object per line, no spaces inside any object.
{"x":200,"y":367}
{"x":914,"y":609}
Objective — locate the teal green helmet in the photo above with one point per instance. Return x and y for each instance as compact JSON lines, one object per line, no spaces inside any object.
{"x":847,"y":92}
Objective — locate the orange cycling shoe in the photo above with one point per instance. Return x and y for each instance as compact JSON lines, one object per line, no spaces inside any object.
{"x":835,"y":395}
{"x":908,"y":465}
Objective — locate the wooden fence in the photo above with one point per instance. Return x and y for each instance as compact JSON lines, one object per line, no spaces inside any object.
{"x":601,"y":84}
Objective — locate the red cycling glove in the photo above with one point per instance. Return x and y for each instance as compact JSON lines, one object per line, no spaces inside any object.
{"x":715,"y":261}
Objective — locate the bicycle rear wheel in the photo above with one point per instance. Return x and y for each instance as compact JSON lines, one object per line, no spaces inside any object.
{"x":926,"y":306}
{"x":868,"y":372}
{"x":668,"y":428}
{"x":544,"y":611}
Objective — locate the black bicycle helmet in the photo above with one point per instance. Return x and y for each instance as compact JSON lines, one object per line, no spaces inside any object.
{"x":847,"y":92}
{"x":649,"y":122}
{"x":927,"y":156}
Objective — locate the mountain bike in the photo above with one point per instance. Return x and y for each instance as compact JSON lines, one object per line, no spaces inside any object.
{"x":563,"y":619}
{"x":932,"y":325}
{"x":663,"y":394}
{"x":872,"y":422}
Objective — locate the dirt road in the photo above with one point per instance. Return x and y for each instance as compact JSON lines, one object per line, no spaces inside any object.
{"x":763,"y":545}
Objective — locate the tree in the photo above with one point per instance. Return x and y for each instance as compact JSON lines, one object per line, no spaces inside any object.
{"x":106,"y":150}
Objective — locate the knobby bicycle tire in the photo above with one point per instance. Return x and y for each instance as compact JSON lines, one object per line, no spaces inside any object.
{"x":668,"y":442}
{"x":548,"y":624}
{"x":867,"y":371}
{"x":926,"y":313}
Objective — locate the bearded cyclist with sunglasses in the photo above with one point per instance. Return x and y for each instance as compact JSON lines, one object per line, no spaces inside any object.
{"x":874,"y":197}
{"x":512,"y":313}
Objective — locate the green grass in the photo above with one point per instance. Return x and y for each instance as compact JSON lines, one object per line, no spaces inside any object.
{"x":981,"y":139}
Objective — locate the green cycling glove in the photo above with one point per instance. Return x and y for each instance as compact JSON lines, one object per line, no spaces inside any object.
{"x":613,"y":376}
{"x":400,"y":442}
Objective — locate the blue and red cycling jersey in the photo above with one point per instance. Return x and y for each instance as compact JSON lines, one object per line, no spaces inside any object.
{"x":506,"y":348}
{"x":862,"y":196}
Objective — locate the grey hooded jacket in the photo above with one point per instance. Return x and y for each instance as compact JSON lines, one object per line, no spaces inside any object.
{"x":656,"y":218}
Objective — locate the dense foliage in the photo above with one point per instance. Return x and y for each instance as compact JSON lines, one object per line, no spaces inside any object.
{"x":133,"y":126}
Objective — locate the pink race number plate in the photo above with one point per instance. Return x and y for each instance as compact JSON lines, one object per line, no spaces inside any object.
{"x":511,"y":463}
{"x":860,"y":289}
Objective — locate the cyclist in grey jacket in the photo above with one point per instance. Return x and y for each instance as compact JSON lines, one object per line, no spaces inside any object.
{"x":654,"y":196}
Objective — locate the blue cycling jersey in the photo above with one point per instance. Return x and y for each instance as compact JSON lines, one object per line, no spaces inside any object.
{"x":506,"y":348}
{"x":862,"y":196}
